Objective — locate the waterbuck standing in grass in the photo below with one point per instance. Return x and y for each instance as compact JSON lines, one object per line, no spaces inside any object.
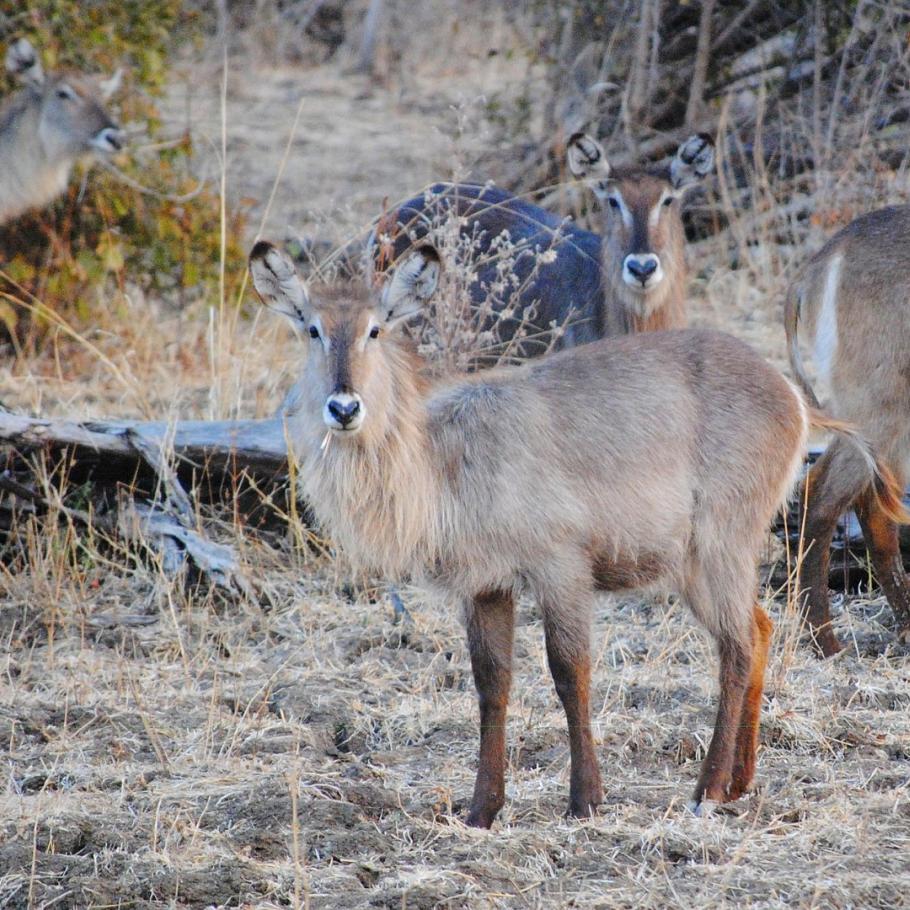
{"x":853,"y":296}
{"x":46,"y":127}
{"x":651,"y":460}
{"x":632,"y":279}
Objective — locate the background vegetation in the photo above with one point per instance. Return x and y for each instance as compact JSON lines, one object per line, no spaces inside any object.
{"x":155,"y":228}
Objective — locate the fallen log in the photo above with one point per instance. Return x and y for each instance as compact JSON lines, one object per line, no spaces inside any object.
{"x":154,"y":460}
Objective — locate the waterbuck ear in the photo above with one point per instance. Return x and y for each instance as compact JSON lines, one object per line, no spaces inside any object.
{"x":587,"y":157}
{"x":278,"y":284}
{"x":23,"y":63}
{"x":108,"y":86}
{"x":412,"y":285}
{"x":694,"y":160}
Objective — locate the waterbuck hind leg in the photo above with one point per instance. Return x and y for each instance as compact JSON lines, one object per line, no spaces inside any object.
{"x":747,"y":734}
{"x":829,"y":495}
{"x":722,"y":598}
{"x":716,"y":778}
{"x":881,"y":536}
{"x":491,"y":622}
{"x":567,"y":629}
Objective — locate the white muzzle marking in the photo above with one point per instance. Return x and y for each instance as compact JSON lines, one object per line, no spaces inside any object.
{"x":642,"y":277}
{"x":108,"y":141}
{"x":343,"y":413}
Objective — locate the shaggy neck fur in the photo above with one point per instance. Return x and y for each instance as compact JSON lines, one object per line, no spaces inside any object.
{"x":377,"y":493}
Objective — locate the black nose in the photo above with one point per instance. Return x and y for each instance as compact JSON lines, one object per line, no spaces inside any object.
{"x":344,"y":412}
{"x":641,"y":269}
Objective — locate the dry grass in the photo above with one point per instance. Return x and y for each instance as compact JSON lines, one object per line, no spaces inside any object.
{"x":166,"y":748}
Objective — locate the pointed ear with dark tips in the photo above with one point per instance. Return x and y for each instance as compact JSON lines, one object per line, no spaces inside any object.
{"x":22,"y":61}
{"x":587,"y":157}
{"x":693,"y":162}
{"x":278,"y":284}
{"x":412,"y":285}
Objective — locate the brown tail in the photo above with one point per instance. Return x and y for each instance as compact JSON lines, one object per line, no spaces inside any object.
{"x":791,"y":321}
{"x":888,"y":491}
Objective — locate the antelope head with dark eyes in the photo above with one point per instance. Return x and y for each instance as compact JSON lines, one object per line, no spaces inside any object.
{"x":643,"y":235}
{"x":352,"y":329}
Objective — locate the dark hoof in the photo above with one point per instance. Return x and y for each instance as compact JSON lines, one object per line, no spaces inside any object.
{"x":482,"y":817}
{"x":738,"y":789}
{"x":714,"y":792}
{"x":585,"y":807}
{"x":825,"y":643}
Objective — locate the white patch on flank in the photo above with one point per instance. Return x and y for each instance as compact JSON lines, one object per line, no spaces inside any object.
{"x":826,"y":328}
{"x":796,"y":467}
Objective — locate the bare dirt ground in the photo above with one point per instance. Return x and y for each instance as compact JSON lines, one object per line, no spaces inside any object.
{"x":165,"y":748}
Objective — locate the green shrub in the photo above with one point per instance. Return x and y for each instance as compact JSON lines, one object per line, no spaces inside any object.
{"x":103,"y":235}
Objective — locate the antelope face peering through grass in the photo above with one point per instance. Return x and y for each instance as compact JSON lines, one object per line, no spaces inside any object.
{"x":52,"y":122}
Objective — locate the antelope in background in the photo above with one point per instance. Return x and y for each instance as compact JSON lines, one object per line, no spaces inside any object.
{"x":587,"y":287}
{"x":652,"y":460}
{"x":854,"y":298}
{"x":644,"y":241}
{"x":54,"y":120}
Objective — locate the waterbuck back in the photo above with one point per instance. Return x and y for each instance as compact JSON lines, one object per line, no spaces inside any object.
{"x":853,"y":298}
{"x":535,"y":270}
{"x":46,"y":126}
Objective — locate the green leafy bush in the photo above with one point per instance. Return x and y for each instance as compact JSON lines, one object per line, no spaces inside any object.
{"x":103,"y":235}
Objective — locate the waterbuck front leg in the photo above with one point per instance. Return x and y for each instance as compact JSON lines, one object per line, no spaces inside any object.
{"x":567,"y":624}
{"x":491,"y":623}
{"x":719,"y":594}
{"x":715,"y":782}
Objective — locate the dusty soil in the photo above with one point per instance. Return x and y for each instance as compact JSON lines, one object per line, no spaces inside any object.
{"x":172,"y":749}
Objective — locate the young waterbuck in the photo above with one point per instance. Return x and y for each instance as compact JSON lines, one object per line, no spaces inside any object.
{"x":633,"y":279}
{"x":656,"y":459}
{"x":853,"y":296}
{"x":644,"y":260}
{"x":46,"y":127}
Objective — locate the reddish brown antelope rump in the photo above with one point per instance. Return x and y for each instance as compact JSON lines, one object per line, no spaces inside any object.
{"x":46,"y":127}
{"x":656,"y":459}
{"x":644,"y":242}
{"x":853,"y":296}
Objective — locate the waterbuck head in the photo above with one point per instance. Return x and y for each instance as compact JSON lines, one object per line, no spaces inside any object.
{"x":352,"y":333}
{"x":72,"y":118}
{"x":644,"y":240}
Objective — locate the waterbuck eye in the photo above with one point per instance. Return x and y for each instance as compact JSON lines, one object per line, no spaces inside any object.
{"x":614,"y":202}
{"x":64,"y":92}
{"x":374,"y":332}
{"x":668,"y":201}
{"x":314,"y":332}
